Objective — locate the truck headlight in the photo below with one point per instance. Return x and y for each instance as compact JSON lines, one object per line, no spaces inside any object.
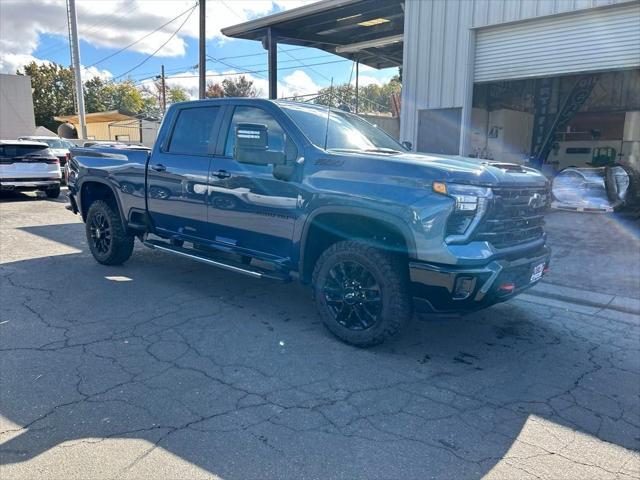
{"x":471,"y":204}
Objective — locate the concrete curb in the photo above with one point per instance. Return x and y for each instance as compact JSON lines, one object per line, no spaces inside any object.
{"x":589,"y":300}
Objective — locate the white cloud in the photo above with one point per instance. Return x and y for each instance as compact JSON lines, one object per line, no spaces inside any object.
{"x":117,"y":23}
{"x":12,"y":62}
{"x":296,"y":83}
{"x":92,"y":72}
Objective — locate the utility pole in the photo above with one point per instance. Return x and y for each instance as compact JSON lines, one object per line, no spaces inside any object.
{"x":75,"y":54}
{"x":164,"y":90}
{"x":202,"y":64}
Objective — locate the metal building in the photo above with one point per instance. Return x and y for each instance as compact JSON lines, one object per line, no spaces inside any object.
{"x":450,"y":46}
{"x":555,"y":82}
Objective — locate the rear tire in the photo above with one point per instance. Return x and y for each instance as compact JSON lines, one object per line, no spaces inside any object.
{"x":108,"y":241}
{"x":362,"y":293}
{"x":53,"y":192}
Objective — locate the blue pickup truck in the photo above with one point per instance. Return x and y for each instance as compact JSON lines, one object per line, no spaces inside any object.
{"x":285,"y":190}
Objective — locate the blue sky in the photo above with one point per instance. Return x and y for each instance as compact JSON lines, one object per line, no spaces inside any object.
{"x":107,"y":26}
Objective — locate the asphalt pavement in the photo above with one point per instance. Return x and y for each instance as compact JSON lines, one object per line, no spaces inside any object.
{"x":166,"y":368}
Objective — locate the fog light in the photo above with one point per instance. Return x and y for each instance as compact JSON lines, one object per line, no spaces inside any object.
{"x":463,"y":288}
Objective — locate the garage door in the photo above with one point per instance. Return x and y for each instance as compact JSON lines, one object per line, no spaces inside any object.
{"x":598,"y":39}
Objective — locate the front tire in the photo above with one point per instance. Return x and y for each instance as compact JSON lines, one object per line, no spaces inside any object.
{"x":362,"y":293}
{"x":108,"y":241}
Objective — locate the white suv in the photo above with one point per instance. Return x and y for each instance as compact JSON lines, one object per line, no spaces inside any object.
{"x":28,"y":165}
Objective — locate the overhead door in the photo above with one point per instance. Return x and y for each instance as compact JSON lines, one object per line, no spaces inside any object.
{"x":593,"y":40}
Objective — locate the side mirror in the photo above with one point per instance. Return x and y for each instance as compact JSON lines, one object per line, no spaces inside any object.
{"x":252,"y":146}
{"x":407,"y":145}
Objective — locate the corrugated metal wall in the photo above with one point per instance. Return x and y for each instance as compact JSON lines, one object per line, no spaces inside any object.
{"x":593,"y":40}
{"x":436,"y":46}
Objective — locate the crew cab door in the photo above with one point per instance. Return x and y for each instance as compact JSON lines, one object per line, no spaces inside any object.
{"x":178,"y":170}
{"x":249,"y":210}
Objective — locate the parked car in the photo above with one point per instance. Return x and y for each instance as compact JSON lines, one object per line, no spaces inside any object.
{"x":28,"y":165}
{"x":324,"y":197}
{"x":59,"y":146}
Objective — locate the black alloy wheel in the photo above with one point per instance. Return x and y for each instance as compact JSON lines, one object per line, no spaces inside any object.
{"x":100,"y":233}
{"x":353,"y":295}
{"x":108,"y":240}
{"x":361,"y":292}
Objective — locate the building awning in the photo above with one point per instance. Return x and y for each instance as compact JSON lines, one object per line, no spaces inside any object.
{"x":367,"y":31}
{"x":99,"y":117}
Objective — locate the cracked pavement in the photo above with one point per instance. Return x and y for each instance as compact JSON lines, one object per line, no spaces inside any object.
{"x":166,"y":368}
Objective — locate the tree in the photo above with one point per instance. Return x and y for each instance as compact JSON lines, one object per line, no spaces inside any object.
{"x":53,"y":92}
{"x":214,"y":90}
{"x":371,"y":98}
{"x":123,"y":96}
{"x":177,"y":94}
{"x":239,"y":87}
{"x":95,"y":96}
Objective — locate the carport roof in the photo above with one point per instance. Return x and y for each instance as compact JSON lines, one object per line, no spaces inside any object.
{"x":369,"y":31}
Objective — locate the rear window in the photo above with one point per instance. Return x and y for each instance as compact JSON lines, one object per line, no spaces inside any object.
{"x":192,"y":131}
{"x":12,"y":151}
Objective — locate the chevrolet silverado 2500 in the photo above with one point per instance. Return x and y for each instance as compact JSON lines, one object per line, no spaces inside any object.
{"x":285,"y":190}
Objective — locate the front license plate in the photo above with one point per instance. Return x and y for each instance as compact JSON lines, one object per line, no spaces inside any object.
{"x":537,"y":272}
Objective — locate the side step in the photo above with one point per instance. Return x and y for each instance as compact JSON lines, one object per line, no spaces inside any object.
{"x":225,"y":264}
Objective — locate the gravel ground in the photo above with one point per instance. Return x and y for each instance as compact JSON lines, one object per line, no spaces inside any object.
{"x":166,"y":368}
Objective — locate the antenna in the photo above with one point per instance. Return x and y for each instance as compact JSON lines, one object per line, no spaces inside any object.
{"x":326,"y":132}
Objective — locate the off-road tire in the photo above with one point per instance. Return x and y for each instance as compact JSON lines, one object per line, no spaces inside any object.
{"x":121,"y":245}
{"x":53,"y":192}
{"x":389,"y":272}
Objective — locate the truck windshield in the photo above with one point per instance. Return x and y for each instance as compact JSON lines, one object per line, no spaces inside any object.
{"x":345,"y":132}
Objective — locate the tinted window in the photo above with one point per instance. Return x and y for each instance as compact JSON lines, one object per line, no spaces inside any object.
{"x":255,"y":115}
{"x":12,"y":151}
{"x":192,"y":131}
{"x":345,"y":131}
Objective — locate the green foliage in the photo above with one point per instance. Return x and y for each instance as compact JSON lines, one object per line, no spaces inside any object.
{"x":53,"y":92}
{"x":372,"y":98}
{"x":177,"y":94}
{"x":95,"y":96}
{"x":239,"y":87}
{"x":123,"y":96}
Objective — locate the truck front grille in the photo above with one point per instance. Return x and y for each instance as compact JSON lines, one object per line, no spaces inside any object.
{"x":515,"y":216}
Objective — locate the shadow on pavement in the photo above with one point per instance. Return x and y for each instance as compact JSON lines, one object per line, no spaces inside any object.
{"x":239,"y":377}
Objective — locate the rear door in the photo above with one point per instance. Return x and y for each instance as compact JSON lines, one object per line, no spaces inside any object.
{"x":178,"y":170}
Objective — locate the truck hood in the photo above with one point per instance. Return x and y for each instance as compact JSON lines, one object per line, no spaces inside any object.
{"x":475,"y":171}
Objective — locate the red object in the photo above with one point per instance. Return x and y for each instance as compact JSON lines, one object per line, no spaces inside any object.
{"x":546,"y":269}
{"x":507,"y":287}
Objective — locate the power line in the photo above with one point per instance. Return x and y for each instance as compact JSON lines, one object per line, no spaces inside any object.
{"x":189,"y":10}
{"x":244,"y":72}
{"x":148,"y":57}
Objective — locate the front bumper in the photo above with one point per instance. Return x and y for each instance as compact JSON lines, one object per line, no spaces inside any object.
{"x":447,"y":288}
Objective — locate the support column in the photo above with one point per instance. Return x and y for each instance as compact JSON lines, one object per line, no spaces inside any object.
{"x":272,"y":49}
{"x":357,"y":89}
{"x":467,"y":106}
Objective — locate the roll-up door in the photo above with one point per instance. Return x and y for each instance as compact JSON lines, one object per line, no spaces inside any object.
{"x":593,"y":40}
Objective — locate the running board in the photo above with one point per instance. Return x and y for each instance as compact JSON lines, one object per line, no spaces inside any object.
{"x":229,"y":265}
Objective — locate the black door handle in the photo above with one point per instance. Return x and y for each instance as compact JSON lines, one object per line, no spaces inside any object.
{"x":159,"y":167}
{"x":221,"y":174}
